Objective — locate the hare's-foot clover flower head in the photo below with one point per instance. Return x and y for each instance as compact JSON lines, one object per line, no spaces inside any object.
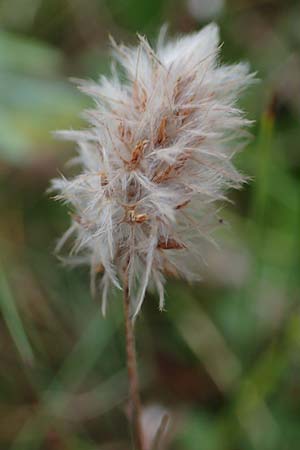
{"x":157,"y":153}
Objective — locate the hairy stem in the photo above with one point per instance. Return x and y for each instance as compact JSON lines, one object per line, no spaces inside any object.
{"x":135,"y":403}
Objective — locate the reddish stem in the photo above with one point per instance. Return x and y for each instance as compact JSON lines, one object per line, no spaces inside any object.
{"x":135,"y":402}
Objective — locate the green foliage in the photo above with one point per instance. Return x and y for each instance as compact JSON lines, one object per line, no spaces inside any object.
{"x":33,"y":101}
{"x":224,"y":357}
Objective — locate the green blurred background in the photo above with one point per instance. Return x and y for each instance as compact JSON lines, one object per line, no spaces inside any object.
{"x":224,"y":359}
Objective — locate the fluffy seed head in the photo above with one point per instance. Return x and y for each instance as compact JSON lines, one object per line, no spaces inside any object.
{"x":157,"y":153}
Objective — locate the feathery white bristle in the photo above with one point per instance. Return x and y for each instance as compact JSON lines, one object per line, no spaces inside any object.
{"x":156,"y":155}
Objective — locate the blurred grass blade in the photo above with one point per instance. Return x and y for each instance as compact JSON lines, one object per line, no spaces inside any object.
{"x":204,"y":339}
{"x":77,"y":365}
{"x":263,"y":165}
{"x":30,"y":108}
{"x":13,"y":320}
{"x":28,"y":55}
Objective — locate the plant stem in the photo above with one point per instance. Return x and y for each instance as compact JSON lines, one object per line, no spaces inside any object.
{"x":135,"y":403}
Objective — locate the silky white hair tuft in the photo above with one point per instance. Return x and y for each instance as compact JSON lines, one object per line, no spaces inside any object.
{"x":155,"y":159}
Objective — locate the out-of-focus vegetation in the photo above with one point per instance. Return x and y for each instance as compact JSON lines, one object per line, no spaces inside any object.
{"x":224,"y":359}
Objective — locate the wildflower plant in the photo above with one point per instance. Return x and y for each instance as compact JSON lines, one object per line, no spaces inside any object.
{"x":155,"y":158}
